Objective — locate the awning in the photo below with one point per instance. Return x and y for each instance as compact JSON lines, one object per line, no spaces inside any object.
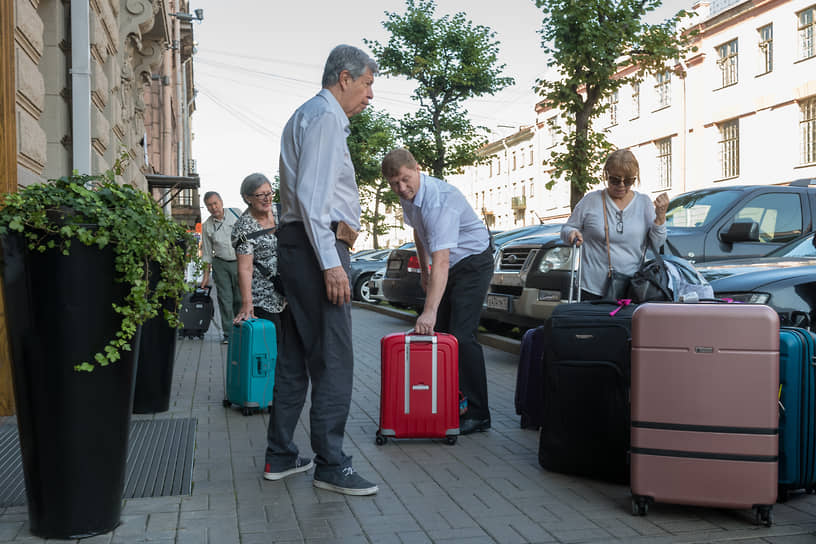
{"x":176,"y":184}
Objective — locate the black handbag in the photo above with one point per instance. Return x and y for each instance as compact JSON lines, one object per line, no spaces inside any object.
{"x":651,"y":281}
{"x":617,"y":284}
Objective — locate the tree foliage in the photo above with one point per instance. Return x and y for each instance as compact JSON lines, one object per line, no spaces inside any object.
{"x":372,"y":135}
{"x":589,"y":42}
{"x":452,"y":60}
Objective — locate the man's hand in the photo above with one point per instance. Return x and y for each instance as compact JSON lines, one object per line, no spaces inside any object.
{"x":425,"y":322}
{"x":337,"y":285}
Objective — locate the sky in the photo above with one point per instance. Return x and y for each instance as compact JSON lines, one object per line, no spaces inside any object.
{"x":258,"y":60}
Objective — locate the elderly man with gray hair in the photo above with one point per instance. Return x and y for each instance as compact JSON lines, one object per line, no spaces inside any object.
{"x":320,"y":217}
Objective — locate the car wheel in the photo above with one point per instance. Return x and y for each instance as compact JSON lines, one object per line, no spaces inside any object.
{"x":361,"y":289}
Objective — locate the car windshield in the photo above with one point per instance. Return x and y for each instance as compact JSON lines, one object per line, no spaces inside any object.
{"x":802,"y":247}
{"x":698,"y":208}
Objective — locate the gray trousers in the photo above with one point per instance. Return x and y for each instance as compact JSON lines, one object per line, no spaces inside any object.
{"x":225,"y":275}
{"x":316,"y":346}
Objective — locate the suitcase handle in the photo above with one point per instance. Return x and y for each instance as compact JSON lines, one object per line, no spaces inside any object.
{"x":576,"y":267}
{"x":410,"y":338}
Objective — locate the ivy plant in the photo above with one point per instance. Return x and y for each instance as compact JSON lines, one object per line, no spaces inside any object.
{"x":96,"y":211}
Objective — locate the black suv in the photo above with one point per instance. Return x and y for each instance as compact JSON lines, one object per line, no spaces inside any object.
{"x":704,"y":225}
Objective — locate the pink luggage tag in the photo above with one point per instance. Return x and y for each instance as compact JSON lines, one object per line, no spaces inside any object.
{"x":621,"y":303}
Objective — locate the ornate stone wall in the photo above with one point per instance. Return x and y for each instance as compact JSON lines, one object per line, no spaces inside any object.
{"x":128,"y":41}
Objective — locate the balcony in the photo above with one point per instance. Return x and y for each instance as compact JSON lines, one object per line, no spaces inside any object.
{"x":518,"y":202}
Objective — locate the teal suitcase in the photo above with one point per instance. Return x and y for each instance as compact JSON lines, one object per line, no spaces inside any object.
{"x":252,"y":354}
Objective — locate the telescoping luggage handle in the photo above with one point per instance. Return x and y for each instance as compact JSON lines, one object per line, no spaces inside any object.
{"x":409,"y":338}
{"x":576,"y":267}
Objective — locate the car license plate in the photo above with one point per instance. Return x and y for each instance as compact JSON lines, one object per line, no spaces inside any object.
{"x":498,"y":302}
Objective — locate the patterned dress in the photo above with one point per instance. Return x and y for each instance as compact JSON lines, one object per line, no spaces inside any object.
{"x":264,"y":248}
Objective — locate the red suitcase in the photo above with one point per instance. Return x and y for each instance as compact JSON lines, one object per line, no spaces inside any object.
{"x":705,"y":421}
{"x":420,"y":387}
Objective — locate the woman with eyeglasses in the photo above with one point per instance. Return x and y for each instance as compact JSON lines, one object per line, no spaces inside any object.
{"x":256,"y":248}
{"x":619,"y":215}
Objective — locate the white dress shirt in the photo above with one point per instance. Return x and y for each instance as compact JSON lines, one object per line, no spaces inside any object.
{"x":443,"y":219}
{"x":317,"y":183}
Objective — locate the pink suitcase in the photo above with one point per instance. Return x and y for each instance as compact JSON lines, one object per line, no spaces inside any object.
{"x":420,"y":387}
{"x":705,"y":422}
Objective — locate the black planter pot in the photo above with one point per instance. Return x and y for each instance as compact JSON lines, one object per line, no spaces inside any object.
{"x":157,"y":354}
{"x":73,"y":426}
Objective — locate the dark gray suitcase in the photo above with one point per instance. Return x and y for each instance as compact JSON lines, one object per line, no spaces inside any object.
{"x":196,"y":313}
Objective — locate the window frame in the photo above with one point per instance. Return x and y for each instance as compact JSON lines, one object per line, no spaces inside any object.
{"x":807,"y":131}
{"x":663,"y":158}
{"x":663,"y":89}
{"x":636,"y":100}
{"x":728,"y":149}
{"x":805,"y":33}
{"x":728,"y":63}
{"x":765,"y":46}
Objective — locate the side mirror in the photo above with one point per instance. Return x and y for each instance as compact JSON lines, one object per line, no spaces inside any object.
{"x":741,"y":231}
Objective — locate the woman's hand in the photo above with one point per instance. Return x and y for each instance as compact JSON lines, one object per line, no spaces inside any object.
{"x":661,"y":204}
{"x":576,"y":238}
{"x":246,"y":312}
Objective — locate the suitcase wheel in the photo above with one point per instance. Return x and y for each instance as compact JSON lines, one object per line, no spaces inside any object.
{"x":380,"y":440}
{"x":450,"y":440}
{"x":640,"y":506}
{"x":763,"y":515}
{"x":246,"y":410}
{"x":226,"y":403}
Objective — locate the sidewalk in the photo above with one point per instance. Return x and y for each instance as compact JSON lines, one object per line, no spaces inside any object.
{"x":488,"y":487}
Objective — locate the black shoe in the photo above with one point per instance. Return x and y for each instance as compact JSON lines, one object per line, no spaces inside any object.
{"x":467,"y":426}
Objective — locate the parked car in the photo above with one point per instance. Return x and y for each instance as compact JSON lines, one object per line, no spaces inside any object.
{"x":703,"y":225}
{"x":785,"y":280}
{"x":401,"y":284}
{"x":362,"y":269}
{"x":375,"y":292}
{"x":740,"y":221}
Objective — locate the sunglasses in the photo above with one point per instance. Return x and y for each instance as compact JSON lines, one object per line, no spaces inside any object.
{"x":615,"y":180}
{"x":263,"y":196}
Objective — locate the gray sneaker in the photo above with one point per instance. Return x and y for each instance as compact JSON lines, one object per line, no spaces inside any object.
{"x":345,"y":481}
{"x":302,"y":464}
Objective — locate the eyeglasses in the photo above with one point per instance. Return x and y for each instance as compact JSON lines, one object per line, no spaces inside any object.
{"x":263,"y":196}
{"x":619,"y":219}
{"x":615,"y":180}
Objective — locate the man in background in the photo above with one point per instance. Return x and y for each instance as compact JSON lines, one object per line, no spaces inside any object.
{"x":218,"y":255}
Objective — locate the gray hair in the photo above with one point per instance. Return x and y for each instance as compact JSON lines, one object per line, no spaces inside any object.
{"x":251,"y":184}
{"x":209,"y":194}
{"x":347,"y":57}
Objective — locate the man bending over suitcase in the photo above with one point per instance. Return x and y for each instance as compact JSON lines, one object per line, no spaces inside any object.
{"x":450,"y":236}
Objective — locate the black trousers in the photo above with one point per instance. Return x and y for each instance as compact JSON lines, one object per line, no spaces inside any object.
{"x":316,"y":347}
{"x":458,"y":314}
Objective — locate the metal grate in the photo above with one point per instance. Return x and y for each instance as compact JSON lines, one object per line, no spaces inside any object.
{"x":159,"y":460}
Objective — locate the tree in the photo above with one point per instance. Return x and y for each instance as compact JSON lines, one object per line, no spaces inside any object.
{"x":452,"y":60}
{"x":372,"y":135}
{"x":586,"y":41}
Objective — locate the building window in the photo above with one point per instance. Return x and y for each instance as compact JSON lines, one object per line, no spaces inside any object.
{"x":635,"y":100}
{"x":613,"y":108}
{"x":808,"y":130}
{"x":727,"y":62}
{"x":729,"y":149}
{"x":531,"y":156}
{"x":514,"y":160}
{"x":766,"y":48}
{"x":552,"y":130}
{"x":185,"y":198}
{"x":498,"y":166}
{"x":491,"y":169}
{"x":532,"y":186}
{"x":806,"y":24}
{"x":663,"y":89}
{"x":664,"y":163}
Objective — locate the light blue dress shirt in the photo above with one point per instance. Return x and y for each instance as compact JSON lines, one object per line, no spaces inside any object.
{"x":317,"y":183}
{"x":443,"y":219}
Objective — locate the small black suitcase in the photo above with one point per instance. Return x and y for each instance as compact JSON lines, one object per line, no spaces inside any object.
{"x":585,"y":427}
{"x":196,"y":313}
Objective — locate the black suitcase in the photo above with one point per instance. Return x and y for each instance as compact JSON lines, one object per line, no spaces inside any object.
{"x":529,"y":379}
{"x":585,"y":427}
{"x":196,"y":313}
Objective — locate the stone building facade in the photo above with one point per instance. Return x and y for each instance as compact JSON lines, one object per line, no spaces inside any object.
{"x":141,"y":93}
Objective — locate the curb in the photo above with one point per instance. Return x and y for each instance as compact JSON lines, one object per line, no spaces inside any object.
{"x":486,"y":339}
